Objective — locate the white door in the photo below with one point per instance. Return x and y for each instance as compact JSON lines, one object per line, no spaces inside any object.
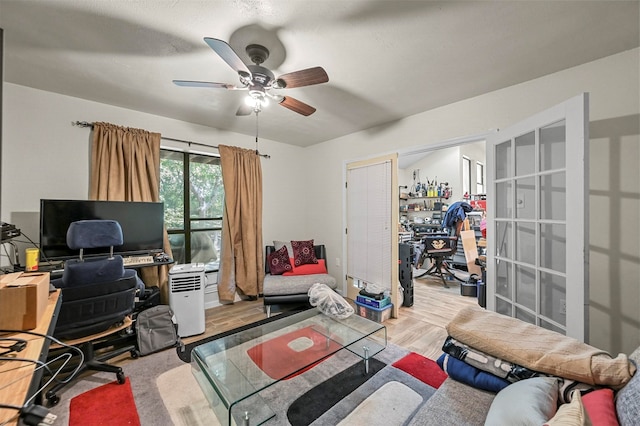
{"x":537,"y":219}
{"x":371,"y":229}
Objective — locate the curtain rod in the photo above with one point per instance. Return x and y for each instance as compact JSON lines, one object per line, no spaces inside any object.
{"x":87,"y":124}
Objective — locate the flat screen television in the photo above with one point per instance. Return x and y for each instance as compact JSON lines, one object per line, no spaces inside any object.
{"x":142,"y":226}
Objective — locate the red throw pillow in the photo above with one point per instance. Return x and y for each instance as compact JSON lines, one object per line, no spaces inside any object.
{"x":308,"y":269}
{"x":303,"y":252}
{"x":600,"y":407}
{"x":279,"y":261}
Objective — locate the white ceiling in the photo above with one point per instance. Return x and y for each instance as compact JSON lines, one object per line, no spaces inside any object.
{"x":385,"y":59}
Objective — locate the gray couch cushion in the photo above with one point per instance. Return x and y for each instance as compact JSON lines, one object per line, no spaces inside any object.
{"x":277,"y":285}
{"x":454,"y":403}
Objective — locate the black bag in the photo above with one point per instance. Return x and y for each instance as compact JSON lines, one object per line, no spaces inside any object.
{"x":156,"y":330}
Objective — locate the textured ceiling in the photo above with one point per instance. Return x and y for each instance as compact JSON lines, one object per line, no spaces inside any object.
{"x":385,"y":59}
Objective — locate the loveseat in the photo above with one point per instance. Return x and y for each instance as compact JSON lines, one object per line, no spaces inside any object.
{"x":292,"y":287}
{"x":579,"y":378}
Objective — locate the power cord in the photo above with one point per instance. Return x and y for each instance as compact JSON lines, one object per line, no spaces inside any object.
{"x":31,"y":415}
{"x":37,"y":415}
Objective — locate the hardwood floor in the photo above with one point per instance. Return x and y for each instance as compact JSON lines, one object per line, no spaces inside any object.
{"x":420,"y":328}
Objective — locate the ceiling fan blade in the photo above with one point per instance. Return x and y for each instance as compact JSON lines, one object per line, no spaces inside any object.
{"x":244,"y":109}
{"x":207,"y":84}
{"x":225,"y":51}
{"x":297,"y":106}
{"x":302,"y":78}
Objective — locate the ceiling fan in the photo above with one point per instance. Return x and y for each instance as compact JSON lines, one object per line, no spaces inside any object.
{"x":260,"y":81}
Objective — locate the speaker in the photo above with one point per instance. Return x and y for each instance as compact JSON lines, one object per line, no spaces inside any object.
{"x":405,"y":272}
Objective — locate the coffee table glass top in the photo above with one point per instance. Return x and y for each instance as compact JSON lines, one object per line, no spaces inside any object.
{"x":232,"y":370}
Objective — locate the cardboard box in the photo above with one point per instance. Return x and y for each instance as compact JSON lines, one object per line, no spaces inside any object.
{"x":23,"y":299}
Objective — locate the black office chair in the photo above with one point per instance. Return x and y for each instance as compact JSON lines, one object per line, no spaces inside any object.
{"x":98,"y":295}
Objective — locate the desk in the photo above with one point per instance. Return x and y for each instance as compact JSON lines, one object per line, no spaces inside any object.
{"x":19,"y":380}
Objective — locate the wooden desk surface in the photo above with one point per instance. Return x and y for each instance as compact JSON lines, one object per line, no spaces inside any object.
{"x":15,"y":376}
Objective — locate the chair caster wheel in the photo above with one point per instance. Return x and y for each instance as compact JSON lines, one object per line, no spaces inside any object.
{"x":120,"y":377}
{"x":53,"y":399}
{"x":134,"y":354}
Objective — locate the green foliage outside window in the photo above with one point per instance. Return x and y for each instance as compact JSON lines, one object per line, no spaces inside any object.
{"x":194,"y":204}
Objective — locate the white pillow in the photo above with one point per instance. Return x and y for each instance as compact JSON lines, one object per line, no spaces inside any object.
{"x":527,"y":402}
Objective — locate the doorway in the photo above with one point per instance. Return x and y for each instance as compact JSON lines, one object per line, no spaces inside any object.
{"x":430,"y":179}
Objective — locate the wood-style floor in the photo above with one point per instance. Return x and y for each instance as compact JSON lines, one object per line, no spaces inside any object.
{"x":419,"y":328}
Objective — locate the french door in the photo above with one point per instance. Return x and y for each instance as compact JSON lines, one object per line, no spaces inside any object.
{"x":537,"y":219}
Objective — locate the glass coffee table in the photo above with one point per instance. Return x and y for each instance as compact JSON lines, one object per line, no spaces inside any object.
{"x":233,"y":369}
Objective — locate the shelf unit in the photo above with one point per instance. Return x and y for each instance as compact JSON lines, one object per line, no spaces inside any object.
{"x":428,"y":202}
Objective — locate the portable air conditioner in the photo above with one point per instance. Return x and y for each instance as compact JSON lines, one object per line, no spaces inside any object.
{"x":186,"y":297}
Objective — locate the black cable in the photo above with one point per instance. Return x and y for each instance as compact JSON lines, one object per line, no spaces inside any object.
{"x":17,"y":346}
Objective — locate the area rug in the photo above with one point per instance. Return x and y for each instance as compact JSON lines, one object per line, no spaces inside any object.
{"x":323,"y":395}
{"x":166,"y":392}
{"x":292,"y":353}
{"x":106,"y":405}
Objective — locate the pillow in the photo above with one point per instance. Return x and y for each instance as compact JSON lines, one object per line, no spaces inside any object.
{"x":470,"y":375}
{"x":278,"y":245}
{"x":627,"y":399}
{"x":571,"y":414}
{"x":308,"y":269}
{"x":303,"y":252}
{"x":279,"y":261}
{"x":600,"y":407}
{"x":527,"y":402}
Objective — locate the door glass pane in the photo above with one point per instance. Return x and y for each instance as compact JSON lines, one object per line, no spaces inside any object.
{"x":553,"y":196}
{"x":503,"y":201}
{"x":503,"y":160}
{"x":525,"y":154}
{"x":526,"y":243}
{"x":525,"y":316}
{"x":525,"y":284}
{"x":553,"y":297}
{"x":553,"y":245}
{"x":553,"y":327}
{"x":552,"y":146}
{"x":503,"y":279}
{"x":503,"y":307}
{"x":525,"y":198}
{"x":503,"y":239}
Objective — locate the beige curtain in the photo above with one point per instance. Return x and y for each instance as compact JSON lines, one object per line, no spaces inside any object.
{"x":242,"y":266}
{"x":125,"y":166}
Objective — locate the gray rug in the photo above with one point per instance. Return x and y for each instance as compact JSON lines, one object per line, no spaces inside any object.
{"x":166,"y":393}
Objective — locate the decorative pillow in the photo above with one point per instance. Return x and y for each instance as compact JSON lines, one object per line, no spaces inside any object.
{"x":571,"y":414}
{"x":308,"y":269}
{"x":600,"y":407}
{"x":627,"y":399}
{"x":527,"y":402}
{"x":303,"y":252}
{"x":279,"y":262}
{"x":470,"y":375}
{"x":278,"y":245}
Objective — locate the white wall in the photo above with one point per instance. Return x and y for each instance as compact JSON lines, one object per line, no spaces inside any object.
{"x":44,"y":156}
{"x":615,"y":184}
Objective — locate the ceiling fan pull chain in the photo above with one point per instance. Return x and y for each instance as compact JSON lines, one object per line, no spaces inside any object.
{"x":257,"y":152}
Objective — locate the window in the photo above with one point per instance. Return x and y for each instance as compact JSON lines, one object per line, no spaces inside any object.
{"x":466,"y":175}
{"x":480,"y":178}
{"x":193,"y":195}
